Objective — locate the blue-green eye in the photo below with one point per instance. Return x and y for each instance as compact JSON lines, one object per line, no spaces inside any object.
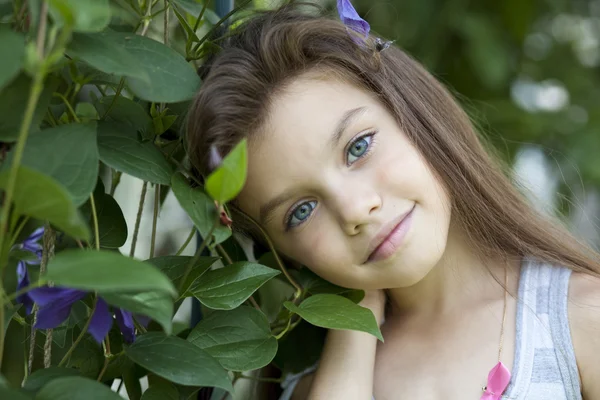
{"x":300,"y":213}
{"x":359,"y":148}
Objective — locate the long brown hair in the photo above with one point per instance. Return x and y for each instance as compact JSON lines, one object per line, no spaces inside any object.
{"x":271,"y":49}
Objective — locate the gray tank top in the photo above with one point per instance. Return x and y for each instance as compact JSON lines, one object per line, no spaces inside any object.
{"x":544,"y":365}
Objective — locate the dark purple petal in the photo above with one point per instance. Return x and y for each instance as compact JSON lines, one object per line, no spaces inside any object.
{"x":35,"y":236}
{"x":47,"y":296}
{"x":23,"y":281}
{"x":125,"y":322}
{"x":143,"y":320}
{"x":33,"y":248}
{"x":101,"y":321}
{"x":351,"y":19}
{"x":54,"y":313}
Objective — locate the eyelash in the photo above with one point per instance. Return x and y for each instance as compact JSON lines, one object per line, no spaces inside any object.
{"x":371,"y":134}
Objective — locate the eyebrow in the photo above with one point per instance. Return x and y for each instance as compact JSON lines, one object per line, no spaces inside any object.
{"x":267,"y":210}
{"x":348,"y":117}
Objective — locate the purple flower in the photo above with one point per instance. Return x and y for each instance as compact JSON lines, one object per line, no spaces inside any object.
{"x":30,"y":245}
{"x":23,"y":281}
{"x":55,"y":305}
{"x":351,"y":19}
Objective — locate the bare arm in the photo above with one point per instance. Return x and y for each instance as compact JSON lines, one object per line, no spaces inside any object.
{"x":584,"y":315}
{"x":347,"y":363}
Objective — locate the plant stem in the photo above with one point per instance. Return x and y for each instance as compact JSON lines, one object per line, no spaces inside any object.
{"x":107,"y":357}
{"x":274,"y":380}
{"x":155,"y":218}
{"x":254,"y":303}
{"x":76,"y":342}
{"x":187,"y":241}
{"x":291,"y":280}
{"x":116,"y":179}
{"x":18,"y":231}
{"x":36,"y":90}
{"x":40,"y":282}
{"x":166,"y":24}
{"x":221,"y":21}
{"x":138,"y":219}
{"x":114,"y":99}
{"x":95,"y":218}
{"x":68,"y":105}
{"x":41,"y":34}
{"x":147,"y":19}
{"x":226,"y":256}
{"x":197,"y":23}
{"x":104,"y":367}
{"x":283,"y":332}
{"x":197,"y":255}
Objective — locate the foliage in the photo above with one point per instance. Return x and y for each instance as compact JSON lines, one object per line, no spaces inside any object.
{"x":86,"y":96}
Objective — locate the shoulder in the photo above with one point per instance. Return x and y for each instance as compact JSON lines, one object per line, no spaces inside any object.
{"x":584,"y":316}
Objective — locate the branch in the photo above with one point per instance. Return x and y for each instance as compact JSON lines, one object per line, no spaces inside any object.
{"x":138,"y":219}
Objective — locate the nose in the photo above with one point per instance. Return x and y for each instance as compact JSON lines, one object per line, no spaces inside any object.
{"x":356,"y":207}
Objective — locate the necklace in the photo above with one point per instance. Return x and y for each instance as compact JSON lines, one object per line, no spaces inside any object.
{"x":499,"y":376}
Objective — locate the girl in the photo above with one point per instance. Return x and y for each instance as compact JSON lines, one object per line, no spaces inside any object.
{"x":363,"y":167}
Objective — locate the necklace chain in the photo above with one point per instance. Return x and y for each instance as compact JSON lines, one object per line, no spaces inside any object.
{"x":503,"y":315}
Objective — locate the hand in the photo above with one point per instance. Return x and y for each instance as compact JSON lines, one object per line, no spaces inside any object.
{"x":375,"y":300}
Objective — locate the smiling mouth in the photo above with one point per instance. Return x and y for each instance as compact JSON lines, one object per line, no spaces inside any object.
{"x":391,"y":238}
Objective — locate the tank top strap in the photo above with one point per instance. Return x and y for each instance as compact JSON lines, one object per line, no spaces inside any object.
{"x":544,"y":364}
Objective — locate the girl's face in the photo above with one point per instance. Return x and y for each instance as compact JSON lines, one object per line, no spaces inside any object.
{"x":331,"y":176}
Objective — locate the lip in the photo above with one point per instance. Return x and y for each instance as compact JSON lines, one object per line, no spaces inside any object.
{"x":390,"y":237}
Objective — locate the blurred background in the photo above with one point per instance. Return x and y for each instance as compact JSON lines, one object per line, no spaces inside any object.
{"x":526,"y":71}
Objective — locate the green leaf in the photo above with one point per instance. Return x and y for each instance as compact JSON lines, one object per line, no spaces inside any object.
{"x":166,"y":391}
{"x":239,"y":339}
{"x":67,"y":153}
{"x":103,"y":52}
{"x":156,"y":305}
{"x":86,"y":111}
{"x":227,"y":180}
{"x":199,"y":207}
{"x":112,"y":227}
{"x":314,"y":284}
{"x":336,"y":312}
{"x":76,"y":387}
{"x":12,"y":394}
{"x":106,"y":272}
{"x":13,"y":100}
{"x":9,"y":311}
{"x":13,"y":44}
{"x":300,"y":349}
{"x":171,"y":78}
{"x":41,"y":377}
{"x":120,"y":149}
{"x":175,"y":266}
{"x":128,"y":112}
{"x":178,"y":361}
{"x":194,"y":8}
{"x":81,"y":15}
{"x":228,"y":287}
{"x":39,"y":196}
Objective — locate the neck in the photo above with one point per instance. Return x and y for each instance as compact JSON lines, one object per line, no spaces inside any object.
{"x":460,"y":279}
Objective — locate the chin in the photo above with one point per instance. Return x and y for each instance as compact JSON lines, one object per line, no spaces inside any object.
{"x":406,"y":271}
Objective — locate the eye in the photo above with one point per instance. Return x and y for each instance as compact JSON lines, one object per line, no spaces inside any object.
{"x":300,"y":213}
{"x":359,"y":148}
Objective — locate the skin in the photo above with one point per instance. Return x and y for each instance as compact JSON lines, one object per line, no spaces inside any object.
{"x":446,"y":302}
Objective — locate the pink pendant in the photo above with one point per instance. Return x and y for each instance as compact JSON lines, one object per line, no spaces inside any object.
{"x":498,"y":380}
